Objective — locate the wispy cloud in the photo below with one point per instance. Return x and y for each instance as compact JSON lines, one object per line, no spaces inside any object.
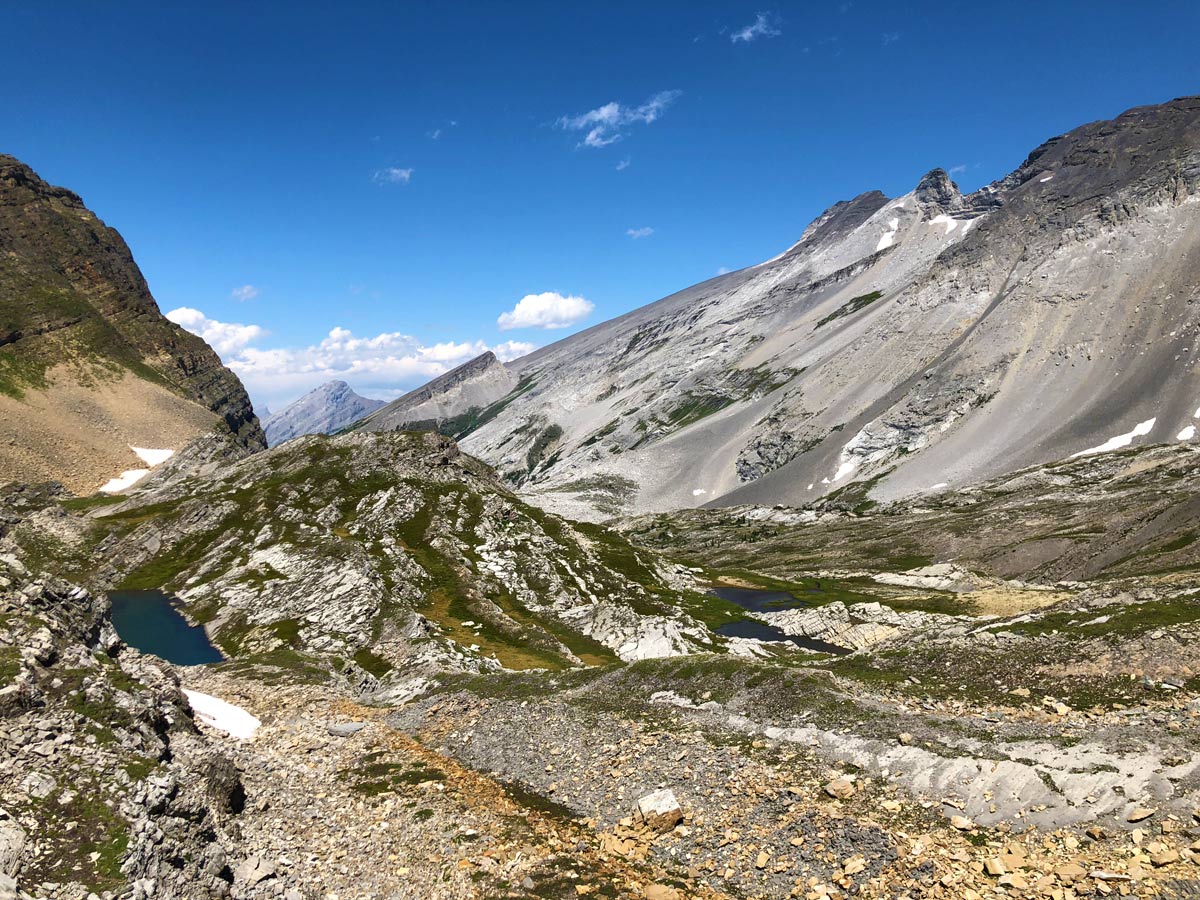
{"x":244,"y":293}
{"x":889,"y":37}
{"x":549,"y":309}
{"x":764,"y":25}
{"x":393,"y":175}
{"x":224,"y":337}
{"x":623,"y":164}
{"x":606,"y":124}
{"x":724,"y":270}
{"x":636,"y":233}
{"x":439,"y":131}
{"x":957,"y":170}
{"x":385,"y":365}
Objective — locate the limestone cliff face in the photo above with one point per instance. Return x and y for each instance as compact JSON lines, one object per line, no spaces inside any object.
{"x":88,"y":363}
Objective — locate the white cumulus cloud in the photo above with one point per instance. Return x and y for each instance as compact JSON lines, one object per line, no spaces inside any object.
{"x":384,"y":365}
{"x":224,"y":337}
{"x":549,"y":309}
{"x":764,"y":25}
{"x":393,"y":175}
{"x":606,"y":124}
{"x":636,"y":233}
{"x":244,"y":293}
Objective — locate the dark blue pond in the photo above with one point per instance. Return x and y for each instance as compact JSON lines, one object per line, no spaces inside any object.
{"x":150,"y":621}
{"x":755,"y":600}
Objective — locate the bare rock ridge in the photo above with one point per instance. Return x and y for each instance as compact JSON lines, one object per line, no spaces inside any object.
{"x":450,"y":403}
{"x":910,"y":342}
{"x":88,"y":364}
{"x":324,"y":410}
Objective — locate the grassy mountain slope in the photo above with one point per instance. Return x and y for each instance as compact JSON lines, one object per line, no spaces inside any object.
{"x":390,"y":556}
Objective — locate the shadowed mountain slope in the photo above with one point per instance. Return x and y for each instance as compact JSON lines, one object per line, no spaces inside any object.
{"x":88,"y":364}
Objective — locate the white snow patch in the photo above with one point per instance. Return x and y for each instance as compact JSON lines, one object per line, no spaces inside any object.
{"x":938,"y":486}
{"x":1196,"y":414}
{"x":1187,"y":434}
{"x":810,"y":487}
{"x":216,"y":713}
{"x":943,"y":219}
{"x":151,"y":457}
{"x":126,"y":479}
{"x":1121,"y":440}
{"x":698,"y":491}
{"x":130,"y":477}
{"x":888,"y":237}
{"x":844,"y":469}
{"x":1044,"y":180}
{"x":967,"y":225}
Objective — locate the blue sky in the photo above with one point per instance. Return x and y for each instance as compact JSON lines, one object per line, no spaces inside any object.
{"x":365,"y":190}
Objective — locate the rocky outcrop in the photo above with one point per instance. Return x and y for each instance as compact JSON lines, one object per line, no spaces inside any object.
{"x":106,"y":784}
{"x":853,"y":627}
{"x":83,"y":341}
{"x":324,"y":410}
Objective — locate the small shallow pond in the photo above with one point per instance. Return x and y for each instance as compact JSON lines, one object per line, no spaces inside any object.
{"x":150,"y":621}
{"x":757,"y":600}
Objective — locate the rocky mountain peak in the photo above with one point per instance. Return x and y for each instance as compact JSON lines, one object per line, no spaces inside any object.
{"x":937,"y":190}
{"x":20,"y":183}
{"x":334,"y":389}
{"x":449,"y":401}
{"x":323,"y":410}
{"x":841,"y":218}
{"x":762,"y":386}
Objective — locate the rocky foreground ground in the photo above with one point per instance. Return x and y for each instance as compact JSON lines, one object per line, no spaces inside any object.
{"x":815,"y":778}
{"x":527,"y":788}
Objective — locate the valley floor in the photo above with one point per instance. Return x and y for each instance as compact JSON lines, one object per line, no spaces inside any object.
{"x":793,"y":781}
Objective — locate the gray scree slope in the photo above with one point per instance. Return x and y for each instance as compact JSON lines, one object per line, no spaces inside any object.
{"x":927,"y":340}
